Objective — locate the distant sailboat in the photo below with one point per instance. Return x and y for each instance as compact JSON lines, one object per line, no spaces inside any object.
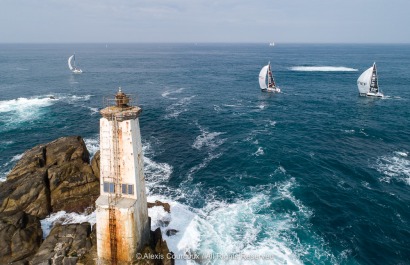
{"x":72,"y":66}
{"x":368,"y":84}
{"x":272,"y":44}
{"x":266,"y":81}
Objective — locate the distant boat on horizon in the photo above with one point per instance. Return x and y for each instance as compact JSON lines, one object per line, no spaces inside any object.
{"x":368,"y":83}
{"x":271,"y":44}
{"x":266,"y":80}
{"x":72,"y":66}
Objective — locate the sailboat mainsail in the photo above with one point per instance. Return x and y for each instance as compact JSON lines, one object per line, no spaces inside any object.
{"x":368,"y":84}
{"x":72,"y":66}
{"x":266,"y":80}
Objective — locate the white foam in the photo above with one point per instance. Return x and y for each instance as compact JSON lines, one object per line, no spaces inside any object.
{"x":92,"y":144}
{"x":170,"y":92}
{"x":323,"y":69}
{"x":207,"y":139}
{"x":156,"y":172}
{"x":65,"y":218}
{"x":174,"y":110}
{"x":272,"y":123}
{"x":23,"y":109}
{"x":348,"y":131}
{"x":396,"y":166}
{"x":259,"y":152}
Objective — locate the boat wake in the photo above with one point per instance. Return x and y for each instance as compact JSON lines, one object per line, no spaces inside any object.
{"x":322,"y":69}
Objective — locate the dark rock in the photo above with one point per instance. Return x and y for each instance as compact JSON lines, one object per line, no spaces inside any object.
{"x":171,"y":232}
{"x":165,"y":205}
{"x":20,"y":237}
{"x":156,"y":248}
{"x":95,"y":164}
{"x":51,"y":177}
{"x":65,"y":244}
{"x":90,"y":257}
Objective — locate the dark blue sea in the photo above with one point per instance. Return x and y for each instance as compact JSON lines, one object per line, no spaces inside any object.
{"x":313,"y":175}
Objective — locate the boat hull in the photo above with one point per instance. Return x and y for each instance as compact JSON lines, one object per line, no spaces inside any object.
{"x":377,"y":95}
{"x":271,"y":89}
{"x":77,"y":71}
{"x":371,"y":94}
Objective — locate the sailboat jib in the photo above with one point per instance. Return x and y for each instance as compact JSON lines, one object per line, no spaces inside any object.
{"x":72,"y":66}
{"x":368,"y":84}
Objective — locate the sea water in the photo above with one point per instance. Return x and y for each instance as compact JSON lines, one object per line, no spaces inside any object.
{"x":313,"y":175}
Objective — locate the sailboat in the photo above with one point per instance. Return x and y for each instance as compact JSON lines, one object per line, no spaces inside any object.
{"x":266,"y":81}
{"x":72,"y":66}
{"x":368,"y":84}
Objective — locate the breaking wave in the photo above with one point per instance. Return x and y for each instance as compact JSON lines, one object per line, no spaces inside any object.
{"x":243,"y":228}
{"x":62,"y":217}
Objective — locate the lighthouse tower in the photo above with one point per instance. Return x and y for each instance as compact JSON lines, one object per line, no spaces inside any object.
{"x":122,"y":216}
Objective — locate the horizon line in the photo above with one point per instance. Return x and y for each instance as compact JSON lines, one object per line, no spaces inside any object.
{"x":211,"y":42}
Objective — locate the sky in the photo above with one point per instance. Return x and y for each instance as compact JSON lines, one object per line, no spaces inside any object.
{"x":197,"y":21}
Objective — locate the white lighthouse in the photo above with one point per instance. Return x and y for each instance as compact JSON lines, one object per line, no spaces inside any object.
{"x":122,"y":217}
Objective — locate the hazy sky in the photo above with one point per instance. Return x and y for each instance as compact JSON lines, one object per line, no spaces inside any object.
{"x":340,"y":21}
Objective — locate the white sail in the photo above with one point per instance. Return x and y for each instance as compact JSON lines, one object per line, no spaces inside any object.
{"x":262,"y":77}
{"x":70,"y":65}
{"x":363,"y":82}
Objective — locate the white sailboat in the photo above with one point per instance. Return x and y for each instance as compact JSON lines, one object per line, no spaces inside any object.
{"x":72,"y":66}
{"x":266,"y":81}
{"x":271,"y":44}
{"x":368,"y":84}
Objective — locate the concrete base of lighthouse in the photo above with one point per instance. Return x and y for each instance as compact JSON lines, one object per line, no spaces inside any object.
{"x":130,"y":234}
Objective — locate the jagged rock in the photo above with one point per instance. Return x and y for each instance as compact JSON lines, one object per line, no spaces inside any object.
{"x":29,"y":193}
{"x":51,"y":177}
{"x":20,"y":237}
{"x":156,"y":252}
{"x":95,"y":164}
{"x":171,"y":232}
{"x":73,"y":186}
{"x":65,"y":244}
{"x":165,"y":205}
{"x":90,"y":257}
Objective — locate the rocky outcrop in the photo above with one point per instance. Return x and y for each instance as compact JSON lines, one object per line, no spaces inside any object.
{"x":95,"y":164}
{"x":157,"y":252}
{"x":20,"y":237}
{"x":51,"y":177}
{"x":164,"y":205}
{"x":66,"y":244}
